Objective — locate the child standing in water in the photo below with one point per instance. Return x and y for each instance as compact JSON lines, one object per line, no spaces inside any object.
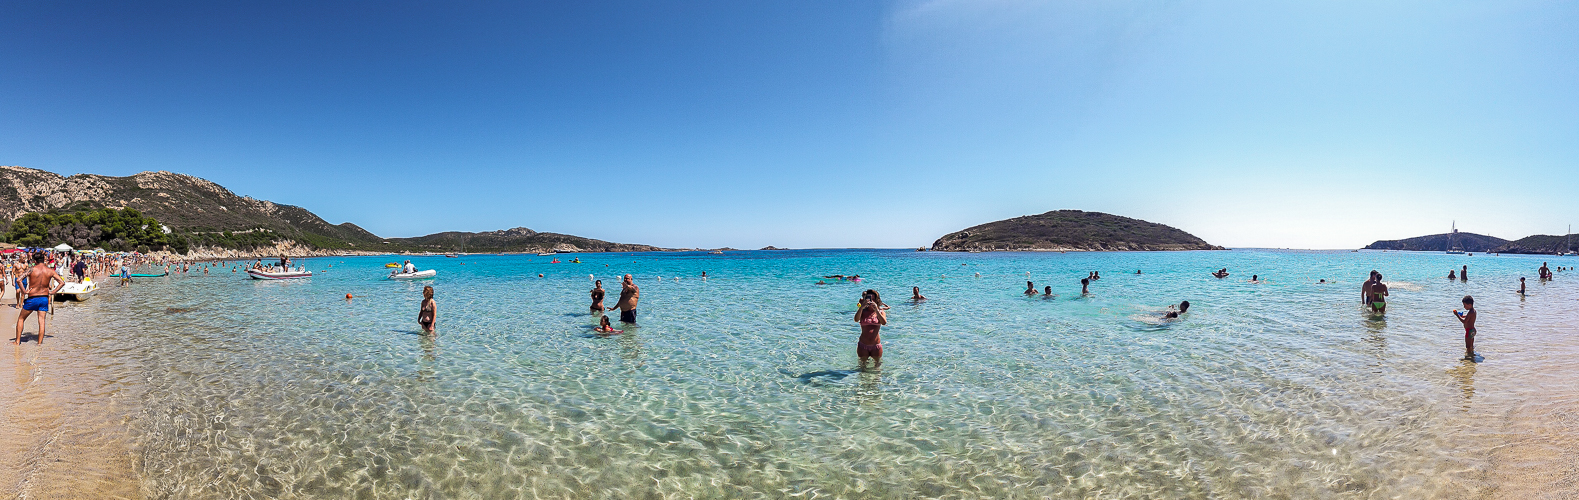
{"x":429,"y":313}
{"x":1467,"y":317}
{"x":871,"y":320}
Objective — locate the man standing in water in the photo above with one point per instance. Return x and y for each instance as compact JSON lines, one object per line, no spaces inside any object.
{"x":1463,"y":274}
{"x":1365,"y":289}
{"x":629,"y":294}
{"x":40,"y":287}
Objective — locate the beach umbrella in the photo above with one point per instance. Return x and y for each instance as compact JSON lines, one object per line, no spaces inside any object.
{"x":63,"y":247}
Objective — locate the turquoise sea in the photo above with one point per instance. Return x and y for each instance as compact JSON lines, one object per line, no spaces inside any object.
{"x":744,"y":385}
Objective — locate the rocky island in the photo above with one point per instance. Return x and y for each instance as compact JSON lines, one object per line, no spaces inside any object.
{"x":1071,"y":231}
{"x":1468,"y":242}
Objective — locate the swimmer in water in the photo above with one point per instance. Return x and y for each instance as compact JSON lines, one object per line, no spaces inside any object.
{"x":1085,"y":283}
{"x":1047,"y":292}
{"x":915,"y":294}
{"x":1172,"y":313}
{"x":1030,"y":288}
{"x":605,"y":327}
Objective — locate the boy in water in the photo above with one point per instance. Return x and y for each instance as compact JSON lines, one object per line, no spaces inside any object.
{"x":1467,"y":317}
{"x":1521,"y":285}
{"x":428,"y":315}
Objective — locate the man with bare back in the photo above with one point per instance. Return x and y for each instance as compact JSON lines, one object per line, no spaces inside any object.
{"x":40,"y":288}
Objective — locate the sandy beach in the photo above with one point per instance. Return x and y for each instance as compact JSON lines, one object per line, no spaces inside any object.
{"x":64,"y":435}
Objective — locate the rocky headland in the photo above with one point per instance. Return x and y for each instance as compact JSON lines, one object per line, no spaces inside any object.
{"x":1070,"y":231}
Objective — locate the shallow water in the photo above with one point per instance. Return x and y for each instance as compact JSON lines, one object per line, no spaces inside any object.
{"x":745,"y":384}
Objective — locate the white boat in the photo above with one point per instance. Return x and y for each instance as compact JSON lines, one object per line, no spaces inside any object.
{"x":260,"y":274}
{"x":419,"y":275}
{"x":545,"y":254}
{"x":77,"y":291}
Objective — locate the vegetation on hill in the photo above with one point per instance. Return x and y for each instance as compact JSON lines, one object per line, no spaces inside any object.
{"x":201,"y":213}
{"x":1070,"y":230}
{"x":1468,"y":242}
{"x":518,"y":239}
{"x":1539,"y":244}
{"x":116,"y":230}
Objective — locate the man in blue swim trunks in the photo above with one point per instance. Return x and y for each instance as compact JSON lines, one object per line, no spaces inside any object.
{"x":40,"y":288}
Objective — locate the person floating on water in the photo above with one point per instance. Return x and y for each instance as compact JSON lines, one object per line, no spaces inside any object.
{"x":605,"y":327}
{"x":1378,"y":295}
{"x":1467,"y":318}
{"x":1173,"y":313}
{"x":40,"y":290}
{"x":630,"y":294}
{"x":428,"y":314}
{"x":1030,"y":288}
{"x":871,"y":318}
{"x":597,"y":296}
{"x":915,"y":294}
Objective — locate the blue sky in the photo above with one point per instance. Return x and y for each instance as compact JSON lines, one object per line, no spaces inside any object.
{"x":821,"y":124}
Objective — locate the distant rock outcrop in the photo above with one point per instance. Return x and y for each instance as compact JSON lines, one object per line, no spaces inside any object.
{"x":1468,"y":242}
{"x":516,"y":240}
{"x":1539,"y":244}
{"x":1070,"y":230}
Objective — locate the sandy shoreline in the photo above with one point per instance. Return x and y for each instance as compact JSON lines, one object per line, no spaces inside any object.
{"x":64,"y":434}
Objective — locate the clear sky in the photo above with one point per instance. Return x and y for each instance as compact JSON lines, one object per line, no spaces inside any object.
{"x":1323,"y":124}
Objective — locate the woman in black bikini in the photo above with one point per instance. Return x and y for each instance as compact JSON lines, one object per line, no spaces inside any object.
{"x":429,"y":314}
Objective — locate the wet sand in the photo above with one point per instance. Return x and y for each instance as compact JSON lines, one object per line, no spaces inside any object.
{"x":64,"y":432}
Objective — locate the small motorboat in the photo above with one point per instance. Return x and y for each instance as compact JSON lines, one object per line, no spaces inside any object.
{"x":392,"y":264}
{"x":262,"y":274}
{"x":545,"y":254}
{"x":77,"y":291}
{"x":419,"y":275}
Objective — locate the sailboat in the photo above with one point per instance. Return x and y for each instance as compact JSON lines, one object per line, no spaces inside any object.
{"x":1567,"y":243}
{"x":1452,"y":249}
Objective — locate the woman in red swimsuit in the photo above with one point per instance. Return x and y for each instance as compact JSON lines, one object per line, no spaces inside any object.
{"x":871,"y":319}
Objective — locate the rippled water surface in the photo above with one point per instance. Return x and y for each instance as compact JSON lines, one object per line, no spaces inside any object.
{"x":745,"y":384}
